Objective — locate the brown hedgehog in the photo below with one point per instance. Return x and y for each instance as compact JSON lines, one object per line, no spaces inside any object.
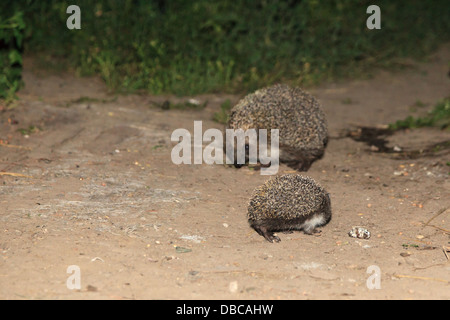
{"x":303,"y":132}
{"x":288,"y":202}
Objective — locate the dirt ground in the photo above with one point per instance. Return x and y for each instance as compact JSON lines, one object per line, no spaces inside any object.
{"x":90,"y":182}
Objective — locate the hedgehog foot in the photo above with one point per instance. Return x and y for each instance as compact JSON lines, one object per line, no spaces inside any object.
{"x":312,"y":231}
{"x":299,"y":165}
{"x":268,"y":235}
{"x":271,"y":237}
{"x":303,"y":166}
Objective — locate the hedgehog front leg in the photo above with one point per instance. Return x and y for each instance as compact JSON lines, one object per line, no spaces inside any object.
{"x":268,"y":235}
{"x":300,"y":164}
{"x":303,"y":165}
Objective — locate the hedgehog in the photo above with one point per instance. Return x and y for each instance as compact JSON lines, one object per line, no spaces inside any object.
{"x":286,"y":203}
{"x":303,"y":133}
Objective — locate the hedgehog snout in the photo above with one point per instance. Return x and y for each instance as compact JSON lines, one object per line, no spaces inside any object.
{"x":247,"y":158}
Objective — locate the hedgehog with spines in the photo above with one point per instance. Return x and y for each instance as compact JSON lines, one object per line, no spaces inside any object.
{"x":287,"y":203}
{"x":303,"y":132}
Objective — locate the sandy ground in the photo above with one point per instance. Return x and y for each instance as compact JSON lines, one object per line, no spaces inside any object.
{"x":93,"y":186}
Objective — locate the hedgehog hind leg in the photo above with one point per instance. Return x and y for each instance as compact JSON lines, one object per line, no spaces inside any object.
{"x":310,"y":230}
{"x":310,"y":225}
{"x":268,"y":235}
{"x":303,"y":165}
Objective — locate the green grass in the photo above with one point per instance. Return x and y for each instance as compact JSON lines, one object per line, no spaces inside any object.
{"x":223,"y":115}
{"x":200,"y":46}
{"x":439,"y":116}
{"x":11,"y":36}
{"x":347,"y":101}
{"x":30,"y":130}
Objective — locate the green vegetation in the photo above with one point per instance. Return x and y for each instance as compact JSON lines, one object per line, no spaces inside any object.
{"x":347,"y":101}
{"x":191,"y":47}
{"x":30,"y":130}
{"x":417,"y":105}
{"x":223,"y":114}
{"x":11,"y":36}
{"x":439,"y":116}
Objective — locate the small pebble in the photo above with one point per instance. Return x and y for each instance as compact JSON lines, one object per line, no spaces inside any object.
{"x":359,"y":232}
{"x":233,"y":286}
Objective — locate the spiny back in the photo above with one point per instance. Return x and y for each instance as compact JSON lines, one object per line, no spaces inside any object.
{"x":286,"y":197}
{"x":295,"y":113}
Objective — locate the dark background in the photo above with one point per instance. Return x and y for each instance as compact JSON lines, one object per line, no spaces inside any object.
{"x":191,"y":47}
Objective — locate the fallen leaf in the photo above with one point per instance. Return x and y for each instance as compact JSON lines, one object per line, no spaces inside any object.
{"x":182,"y":249}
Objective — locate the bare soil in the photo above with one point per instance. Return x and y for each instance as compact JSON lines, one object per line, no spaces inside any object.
{"x":90,"y":182}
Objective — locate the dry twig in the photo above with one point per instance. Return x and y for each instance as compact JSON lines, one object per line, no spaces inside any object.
{"x":13,"y":174}
{"x":420,"y":278}
{"x":14,"y":146}
{"x":436,"y":215}
{"x":446,"y":249}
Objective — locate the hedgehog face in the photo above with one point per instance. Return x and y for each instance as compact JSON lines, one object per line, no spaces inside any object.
{"x":243,"y":150}
{"x":296,"y":114}
{"x":239,"y":165}
{"x":246,"y":154}
{"x":254,"y":153}
{"x":251,"y":149}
